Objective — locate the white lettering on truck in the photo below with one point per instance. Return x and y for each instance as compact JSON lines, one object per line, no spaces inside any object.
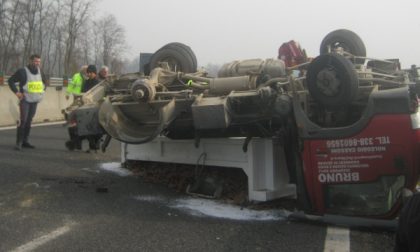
{"x":339,"y":177}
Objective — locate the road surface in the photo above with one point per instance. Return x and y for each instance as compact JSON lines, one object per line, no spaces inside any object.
{"x":52,"y":199}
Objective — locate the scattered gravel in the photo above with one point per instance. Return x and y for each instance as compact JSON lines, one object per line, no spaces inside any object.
{"x":179,"y":176}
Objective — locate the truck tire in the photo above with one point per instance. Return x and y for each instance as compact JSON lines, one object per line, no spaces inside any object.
{"x":187,"y":49}
{"x":179,"y":57}
{"x":332,"y":80}
{"x":346,"y":39}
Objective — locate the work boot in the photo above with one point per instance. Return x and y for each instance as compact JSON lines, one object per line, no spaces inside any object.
{"x":25,"y":143}
{"x":26,"y":132}
{"x":28,"y":145}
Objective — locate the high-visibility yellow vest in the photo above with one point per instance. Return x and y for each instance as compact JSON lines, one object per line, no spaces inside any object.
{"x":33,"y":90}
{"x":35,"y":87}
{"x":76,"y":84}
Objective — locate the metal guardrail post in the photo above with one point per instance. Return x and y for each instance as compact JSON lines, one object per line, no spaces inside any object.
{"x":65,"y":81}
{"x":47,"y":80}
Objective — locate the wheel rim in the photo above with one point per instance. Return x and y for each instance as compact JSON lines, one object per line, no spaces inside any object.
{"x":174,"y":65}
{"x":332,"y":80}
{"x":327,"y":82}
{"x":337,"y":45}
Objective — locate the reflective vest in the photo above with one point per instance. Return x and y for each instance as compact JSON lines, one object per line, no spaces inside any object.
{"x":33,"y":90}
{"x":75,"y":86}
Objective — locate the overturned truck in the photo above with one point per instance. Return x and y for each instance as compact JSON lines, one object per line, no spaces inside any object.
{"x":347,"y":125}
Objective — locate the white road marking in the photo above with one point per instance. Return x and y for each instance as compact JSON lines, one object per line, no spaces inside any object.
{"x":32,"y":245}
{"x":337,"y":240}
{"x":34,"y":125}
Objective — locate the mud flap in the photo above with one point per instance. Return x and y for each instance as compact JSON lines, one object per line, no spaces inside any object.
{"x":206,"y":187}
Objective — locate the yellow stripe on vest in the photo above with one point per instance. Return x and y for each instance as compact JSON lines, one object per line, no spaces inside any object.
{"x":35,"y":87}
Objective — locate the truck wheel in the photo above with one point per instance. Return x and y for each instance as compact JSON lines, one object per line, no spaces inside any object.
{"x":185,"y":48}
{"x":332,"y":80}
{"x":178,"y":56}
{"x":349,"y":41}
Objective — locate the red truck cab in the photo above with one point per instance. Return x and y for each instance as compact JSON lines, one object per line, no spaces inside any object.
{"x":362,"y":169}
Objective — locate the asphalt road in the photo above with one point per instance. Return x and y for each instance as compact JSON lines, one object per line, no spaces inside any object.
{"x":55,"y":200}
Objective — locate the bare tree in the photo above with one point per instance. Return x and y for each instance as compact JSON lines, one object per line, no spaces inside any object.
{"x":85,"y":45}
{"x":59,"y":57}
{"x":57,"y":30}
{"x":3,"y":16}
{"x":3,"y":29}
{"x":77,"y":16}
{"x":111,"y":39}
{"x":30,"y":8}
{"x":117,"y":66}
{"x":10,"y":36}
{"x":50,"y":33}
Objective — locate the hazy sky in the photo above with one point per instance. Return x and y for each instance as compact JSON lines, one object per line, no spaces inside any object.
{"x":221,"y":31}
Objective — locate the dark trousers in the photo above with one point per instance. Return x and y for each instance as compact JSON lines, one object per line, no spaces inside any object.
{"x":27,"y":112}
{"x":75,"y":139}
{"x":94,"y":141}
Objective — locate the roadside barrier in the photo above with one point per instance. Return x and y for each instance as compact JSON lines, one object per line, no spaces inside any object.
{"x":49,"y":109}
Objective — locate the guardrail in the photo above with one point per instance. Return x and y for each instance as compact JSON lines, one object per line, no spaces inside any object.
{"x":49,"y":109}
{"x":57,"y":82}
{"x":52,"y":82}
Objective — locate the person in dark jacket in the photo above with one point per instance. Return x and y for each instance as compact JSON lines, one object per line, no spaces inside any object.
{"x":75,"y":141}
{"x":29,"y":92}
{"x":92,"y":81}
{"x":408,"y":232}
{"x":92,"y":78}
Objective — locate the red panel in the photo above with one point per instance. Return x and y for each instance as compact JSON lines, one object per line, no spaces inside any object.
{"x":387,"y":146}
{"x":291,"y":53}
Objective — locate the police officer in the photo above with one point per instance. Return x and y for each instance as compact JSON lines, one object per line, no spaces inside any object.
{"x":76,"y":84}
{"x":30,"y":92}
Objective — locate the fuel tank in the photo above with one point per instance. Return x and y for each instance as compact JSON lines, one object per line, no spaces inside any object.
{"x":271,"y":67}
